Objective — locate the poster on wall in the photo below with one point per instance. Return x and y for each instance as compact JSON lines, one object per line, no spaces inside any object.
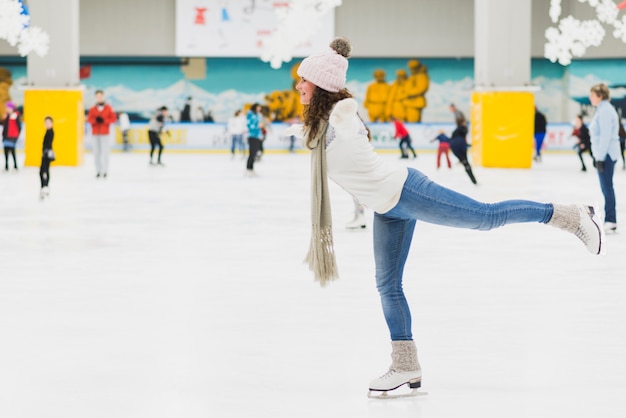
{"x":236,"y":28}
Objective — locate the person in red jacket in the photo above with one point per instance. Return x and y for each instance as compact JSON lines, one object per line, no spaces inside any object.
{"x":405,"y":139}
{"x":101,"y":116}
{"x":12,"y":127}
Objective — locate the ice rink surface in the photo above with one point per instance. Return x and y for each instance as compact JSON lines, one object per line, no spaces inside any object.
{"x":179,"y":291}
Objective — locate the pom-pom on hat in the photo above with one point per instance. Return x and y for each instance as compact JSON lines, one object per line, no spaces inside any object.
{"x":11,"y":105}
{"x":327,"y":69}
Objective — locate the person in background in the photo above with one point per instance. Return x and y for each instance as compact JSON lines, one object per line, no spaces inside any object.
{"x":11,"y":128}
{"x":622,"y":143}
{"x":443,"y":149}
{"x":604,"y":132}
{"x":292,"y":138}
{"x":47,"y":156}
{"x":185,"y":114}
{"x":581,"y":132}
{"x":101,"y":116}
{"x":540,"y":132}
{"x":124,"y":122}
{"x":458,"y":145}
{"x":155,"y":130}
{"x":236,"y":128}
{"x":405,"y":139}
{"x":459,"y":117}
{"x":197,"y":114}
{"x":399,"y":196}
{"x":254,"y":120}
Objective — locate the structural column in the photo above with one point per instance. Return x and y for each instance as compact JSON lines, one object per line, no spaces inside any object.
{"x":502,"y":105}
{"x":54,"y":84}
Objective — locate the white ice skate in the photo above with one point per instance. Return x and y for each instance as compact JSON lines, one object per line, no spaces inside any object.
{"x":357,"y":223}
{"x":610,"y":227}
{"x":404,"y":370}
{"x":389,"y":385}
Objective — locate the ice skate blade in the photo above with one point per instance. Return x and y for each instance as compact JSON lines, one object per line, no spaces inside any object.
{"x":376,"y":394}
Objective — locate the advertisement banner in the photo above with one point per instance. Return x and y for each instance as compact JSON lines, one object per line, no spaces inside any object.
{"x":236,"y":28}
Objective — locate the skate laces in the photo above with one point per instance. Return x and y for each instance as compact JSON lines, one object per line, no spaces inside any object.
{"x":388,"y":374}
{"x":583,"y":233}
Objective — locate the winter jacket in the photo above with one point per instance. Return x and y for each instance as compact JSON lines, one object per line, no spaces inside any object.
{"x":101,"y":117}
{"x":12,"y":127}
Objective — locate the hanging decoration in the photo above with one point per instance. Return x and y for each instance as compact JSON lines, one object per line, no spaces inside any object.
{"x":16,"y":30}
{"x":571,"y":37}
{"x":297,"y":22}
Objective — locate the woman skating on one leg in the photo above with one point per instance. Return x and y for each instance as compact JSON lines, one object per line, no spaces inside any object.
{"x":399,"y":196}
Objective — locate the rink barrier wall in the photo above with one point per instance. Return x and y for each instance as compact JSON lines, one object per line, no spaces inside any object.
{"x":212,"y":137}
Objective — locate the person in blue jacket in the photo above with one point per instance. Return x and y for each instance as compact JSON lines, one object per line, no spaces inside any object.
{"x":604,"y":133}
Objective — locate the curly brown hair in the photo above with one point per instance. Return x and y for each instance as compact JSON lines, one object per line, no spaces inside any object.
{"x":319,"y":108}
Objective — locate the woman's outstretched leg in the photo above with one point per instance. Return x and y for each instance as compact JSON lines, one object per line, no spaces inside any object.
{"x":425,"y":200}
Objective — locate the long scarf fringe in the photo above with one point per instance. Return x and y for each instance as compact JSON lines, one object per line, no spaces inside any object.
{"x":321,"y":254}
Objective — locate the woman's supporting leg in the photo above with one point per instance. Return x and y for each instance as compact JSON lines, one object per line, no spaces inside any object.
{"x":392,"y":241}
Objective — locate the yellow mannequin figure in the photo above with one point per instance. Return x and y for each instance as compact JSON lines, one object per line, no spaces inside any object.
{"x":376,"y":97}
{"x":397,"y":95}
{"x":416,"y":88}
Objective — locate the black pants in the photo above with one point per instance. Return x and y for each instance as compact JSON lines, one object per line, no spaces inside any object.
{"x":254,"y":146}
{"x":459,"y":149}
{"x":44,"y":172}
{"x":406,"y":142}
{"x":155,"y":141}
{"x":580,"y":152}
{"x":9,"y":151}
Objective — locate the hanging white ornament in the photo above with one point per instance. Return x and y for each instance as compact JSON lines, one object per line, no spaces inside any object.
{"x":15,"y":29}
{"x":297,"y":23}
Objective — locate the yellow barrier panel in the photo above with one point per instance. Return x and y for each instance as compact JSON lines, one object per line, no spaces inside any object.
{"x":68,"y":112}
{"x":502,"y":128}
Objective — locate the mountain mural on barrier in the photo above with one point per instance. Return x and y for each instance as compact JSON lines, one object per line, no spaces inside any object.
{"x":579,"y":91}
{"x":142,"y":103}
{"x":222,"y":105}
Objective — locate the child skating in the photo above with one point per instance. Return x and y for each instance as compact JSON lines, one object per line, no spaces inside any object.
{"x":47,"y":156}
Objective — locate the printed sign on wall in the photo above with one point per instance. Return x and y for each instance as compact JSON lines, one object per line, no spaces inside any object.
{"x":235,"y":28}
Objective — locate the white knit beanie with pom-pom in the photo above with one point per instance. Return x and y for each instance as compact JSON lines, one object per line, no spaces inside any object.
{"x":327,"y":69}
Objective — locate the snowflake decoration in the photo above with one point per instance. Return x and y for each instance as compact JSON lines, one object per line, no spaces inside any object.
{"x":33,"y":39}
{"x":297,"y":23}
{"x":620,"y":29}
{"x":572,"y":37}
{"x":555,"y":10}
{"x":607,"y":11}
{"x":15,"y":29}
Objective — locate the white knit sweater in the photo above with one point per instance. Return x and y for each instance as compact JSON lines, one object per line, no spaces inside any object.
{"x":353,"y":164}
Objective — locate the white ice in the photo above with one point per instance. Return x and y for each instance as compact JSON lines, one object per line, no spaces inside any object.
{"x":179,"y":291}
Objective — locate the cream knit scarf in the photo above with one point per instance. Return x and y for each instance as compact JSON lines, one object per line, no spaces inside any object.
{"x":321,"y":255}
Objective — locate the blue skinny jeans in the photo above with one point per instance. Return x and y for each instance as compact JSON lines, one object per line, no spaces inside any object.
{"x":425,"y":200}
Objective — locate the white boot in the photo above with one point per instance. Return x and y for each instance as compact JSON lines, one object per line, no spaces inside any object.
{"x":582,"y":221}
{"x":404,"y":368}
{"x":357,"y":222}
{"x":610,"y":227}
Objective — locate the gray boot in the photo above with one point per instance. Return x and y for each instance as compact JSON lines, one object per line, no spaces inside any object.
{"x":404,"y":368}
{"x":582,"y":221}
